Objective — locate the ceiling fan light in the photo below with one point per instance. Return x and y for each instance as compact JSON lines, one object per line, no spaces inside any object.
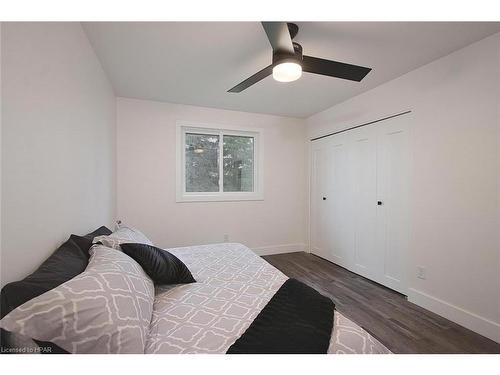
{"x":287,"y":72}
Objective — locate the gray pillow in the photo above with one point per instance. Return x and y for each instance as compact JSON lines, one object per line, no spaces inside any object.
{"x":123,"y":235}
{"x":105,"y":309}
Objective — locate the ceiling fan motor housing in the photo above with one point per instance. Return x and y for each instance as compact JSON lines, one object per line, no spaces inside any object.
{"x":280,"y":57}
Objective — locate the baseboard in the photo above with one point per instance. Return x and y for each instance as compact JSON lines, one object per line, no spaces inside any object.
{"x":474,"y":322}
{"x":280,"y":249}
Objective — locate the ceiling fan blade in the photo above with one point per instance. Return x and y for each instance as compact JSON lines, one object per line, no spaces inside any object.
{"x":334,"y":68}
{"x":279,"y":36}
{"x":252,"y":80}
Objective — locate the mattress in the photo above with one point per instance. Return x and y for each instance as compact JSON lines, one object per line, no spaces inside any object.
{"x":233,"y":286}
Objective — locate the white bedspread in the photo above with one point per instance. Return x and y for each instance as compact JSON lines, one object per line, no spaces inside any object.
{"x":233,"y":286}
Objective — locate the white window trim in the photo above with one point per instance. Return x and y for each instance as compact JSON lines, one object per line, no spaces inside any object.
{"x":183,"y":196}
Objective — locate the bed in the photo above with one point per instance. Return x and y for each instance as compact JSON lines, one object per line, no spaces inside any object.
{"x":233,"y":286}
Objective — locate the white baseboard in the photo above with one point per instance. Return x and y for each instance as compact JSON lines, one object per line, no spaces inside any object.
{"x":280,"y":249}
{"x":474,"y":322}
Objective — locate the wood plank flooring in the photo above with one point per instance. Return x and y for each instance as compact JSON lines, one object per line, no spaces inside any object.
{"x":401,"y":326}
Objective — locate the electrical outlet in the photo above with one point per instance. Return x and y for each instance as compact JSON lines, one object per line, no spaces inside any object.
{"x":421,"y":272}
{"x":226,"y":238}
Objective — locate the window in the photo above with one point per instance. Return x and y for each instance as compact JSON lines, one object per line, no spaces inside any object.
{"x":218,"y":164}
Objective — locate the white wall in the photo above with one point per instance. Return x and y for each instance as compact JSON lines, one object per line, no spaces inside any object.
{"x":58,"y":144}
{"x":146,"y":180}
{"x":455,"y":175}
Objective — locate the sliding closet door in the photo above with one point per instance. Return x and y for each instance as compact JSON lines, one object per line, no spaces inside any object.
{"x":359,"y":200}
{"x":319,"y":212}
{"x":393,"y":195}
{"x":339,"y":203}
{"x":332,"y":232}
{"x":364,"y":168}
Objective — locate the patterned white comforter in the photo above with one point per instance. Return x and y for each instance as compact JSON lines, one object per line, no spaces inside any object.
{"x":233,"y":286}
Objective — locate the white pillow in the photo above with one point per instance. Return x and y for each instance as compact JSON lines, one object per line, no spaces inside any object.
{"x":105,"y":309}
{"x":123,"y":235}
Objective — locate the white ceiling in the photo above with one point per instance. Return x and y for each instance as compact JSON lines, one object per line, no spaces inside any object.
{"x":196,"y":63}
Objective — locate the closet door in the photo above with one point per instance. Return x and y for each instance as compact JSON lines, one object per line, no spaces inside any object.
{"x":360,"y":201}
{"x":393,"y":195}
{"x":319,"y":214}
{"x":332,"y":232}
{"x":339,"y":203}
{"x":364,"y":168}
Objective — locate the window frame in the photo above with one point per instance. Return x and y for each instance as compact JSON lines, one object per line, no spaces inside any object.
{"x":182,"y":128}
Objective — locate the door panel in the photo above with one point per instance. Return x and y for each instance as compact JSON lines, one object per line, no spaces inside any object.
{"x":339,"y":203}
{"x":393,"y":180}
{"x":319,"y":224}
{"x":364,"y":165}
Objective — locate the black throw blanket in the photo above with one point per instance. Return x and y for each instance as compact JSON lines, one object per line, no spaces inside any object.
{"x":297,"y":320}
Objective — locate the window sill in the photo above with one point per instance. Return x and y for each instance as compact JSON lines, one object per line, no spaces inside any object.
{"x":228,"y":197}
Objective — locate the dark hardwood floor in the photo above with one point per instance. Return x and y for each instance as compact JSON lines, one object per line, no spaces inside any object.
{"x":401,"y":326}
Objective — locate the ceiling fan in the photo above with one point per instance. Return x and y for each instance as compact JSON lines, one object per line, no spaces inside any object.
{"x":289,"y":62}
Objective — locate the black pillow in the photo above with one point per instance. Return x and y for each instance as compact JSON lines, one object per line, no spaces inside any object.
{"x":65,"y":263}
{"x":159,"y":264}
{"x":68,"y":261}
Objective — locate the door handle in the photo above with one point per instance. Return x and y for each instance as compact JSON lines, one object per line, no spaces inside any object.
{"x":379,"y":203}
{"x":324,"y":198}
